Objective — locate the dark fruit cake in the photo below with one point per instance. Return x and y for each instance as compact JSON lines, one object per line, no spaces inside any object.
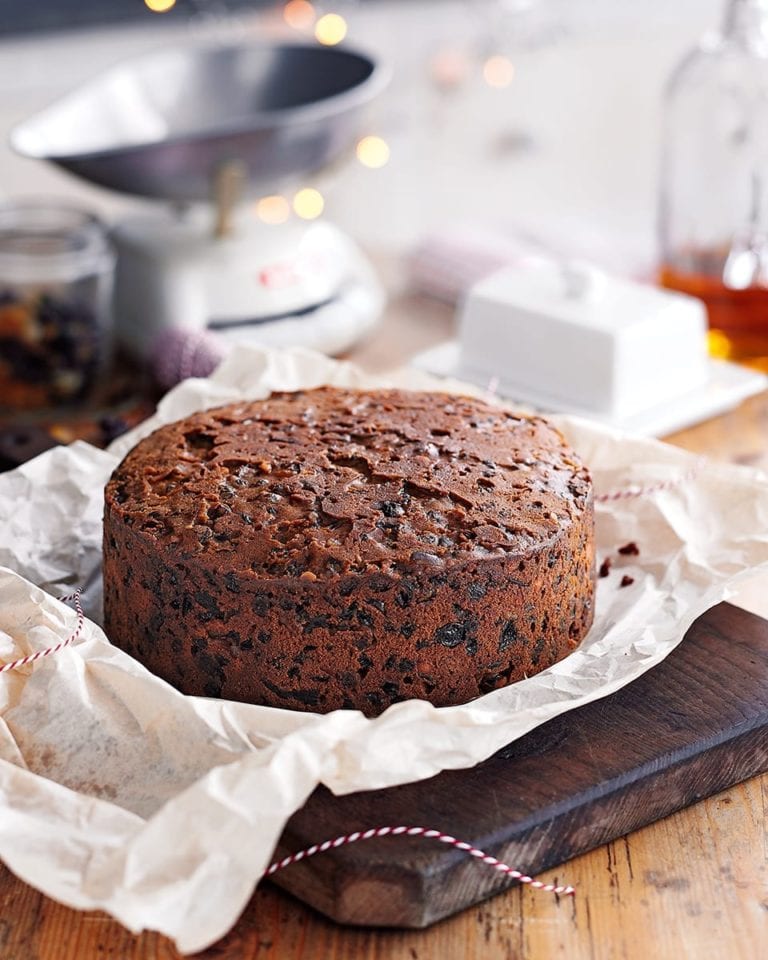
{"x":336,"y":548}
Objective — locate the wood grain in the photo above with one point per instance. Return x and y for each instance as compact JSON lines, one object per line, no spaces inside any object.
{"x":690,"y":886}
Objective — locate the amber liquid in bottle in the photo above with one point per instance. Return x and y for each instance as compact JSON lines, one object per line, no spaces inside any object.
{"x":738,"y":319}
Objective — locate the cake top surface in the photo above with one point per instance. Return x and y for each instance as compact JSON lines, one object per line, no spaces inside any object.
{"x":329,"y":481}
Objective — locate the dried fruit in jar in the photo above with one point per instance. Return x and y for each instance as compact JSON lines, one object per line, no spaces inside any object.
{"x":49,"y":350}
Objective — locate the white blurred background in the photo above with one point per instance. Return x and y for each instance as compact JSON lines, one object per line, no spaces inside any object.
{"x":532,"y":114}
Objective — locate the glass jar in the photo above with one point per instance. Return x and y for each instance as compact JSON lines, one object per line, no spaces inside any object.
{"x":714,"y":189}
{"x":56,"y":270}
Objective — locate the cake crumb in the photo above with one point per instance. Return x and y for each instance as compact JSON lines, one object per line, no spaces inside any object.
{"x":629,"y":549}
{"x":626,"y":580}
{"x":605,"y":567}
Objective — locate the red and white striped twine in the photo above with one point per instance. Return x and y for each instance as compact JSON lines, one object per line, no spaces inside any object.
{"x":631,"y":492}
{"x":419,"y":832}
{"x":39,"y":654}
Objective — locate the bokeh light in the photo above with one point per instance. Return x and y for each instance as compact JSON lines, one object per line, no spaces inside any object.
{"x":449,"y":68}
{"x":274,"y":209}
{"x":331,"y":29}
{"x":719,"y":345}
{"x":373,"y":152}
{"x":308,"y":203}
{"x":159,"y":6}
{"x":498,"y":71}
{"x":299,"y":14}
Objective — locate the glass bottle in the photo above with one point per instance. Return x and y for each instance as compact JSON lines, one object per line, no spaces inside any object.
{"x":714,"y":186}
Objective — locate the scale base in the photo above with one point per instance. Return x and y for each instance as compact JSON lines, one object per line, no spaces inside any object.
{"x":283,"y":285}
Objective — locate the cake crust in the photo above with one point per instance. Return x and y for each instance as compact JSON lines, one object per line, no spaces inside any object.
{"x":335,"y":548}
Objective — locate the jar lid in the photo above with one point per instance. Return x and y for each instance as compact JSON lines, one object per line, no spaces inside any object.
{"x":43,"y":242}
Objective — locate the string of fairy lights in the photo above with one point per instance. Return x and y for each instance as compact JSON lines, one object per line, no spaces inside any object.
{"x":328,"y":28}
{"x":448,"y":68}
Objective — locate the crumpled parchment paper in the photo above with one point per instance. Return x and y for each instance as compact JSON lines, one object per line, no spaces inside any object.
{"x":119,"y":793}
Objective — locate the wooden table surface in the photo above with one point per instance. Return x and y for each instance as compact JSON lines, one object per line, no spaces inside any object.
{"x":691,"y":886}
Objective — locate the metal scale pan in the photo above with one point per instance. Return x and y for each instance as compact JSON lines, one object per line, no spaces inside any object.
{"x":162,"y":125}
{"x":202,"y":128}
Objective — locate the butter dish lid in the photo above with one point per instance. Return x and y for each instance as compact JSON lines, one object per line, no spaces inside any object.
{"x":578,"y":292}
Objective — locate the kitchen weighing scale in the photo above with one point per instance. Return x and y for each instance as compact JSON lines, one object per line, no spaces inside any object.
{"x":205,"y":130}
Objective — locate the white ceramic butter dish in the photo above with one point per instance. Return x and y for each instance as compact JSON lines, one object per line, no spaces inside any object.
{"x":564,"y":337}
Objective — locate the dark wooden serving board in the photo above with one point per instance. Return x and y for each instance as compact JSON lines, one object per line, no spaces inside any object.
{"x":694,"y":725}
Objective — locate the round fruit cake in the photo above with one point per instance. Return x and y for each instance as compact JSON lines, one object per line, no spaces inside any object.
{"x":336,"y":548}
